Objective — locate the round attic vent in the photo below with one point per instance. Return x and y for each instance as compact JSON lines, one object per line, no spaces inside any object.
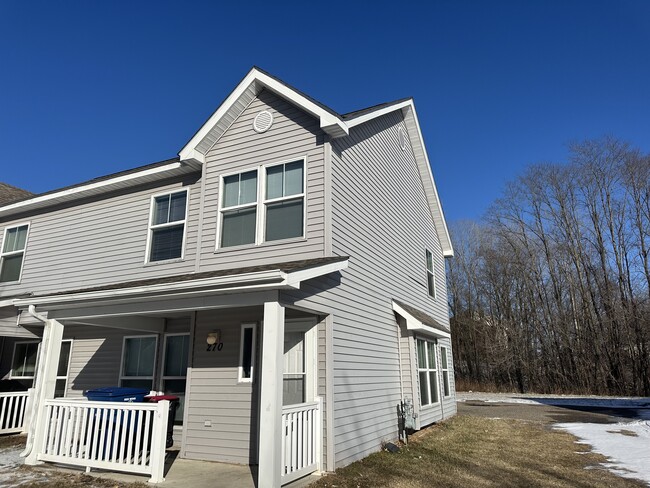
{"x":402,"y":138}
{"x":263,"y":121}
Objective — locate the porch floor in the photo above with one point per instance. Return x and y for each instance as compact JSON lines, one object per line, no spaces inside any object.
{"x":197,"y":474}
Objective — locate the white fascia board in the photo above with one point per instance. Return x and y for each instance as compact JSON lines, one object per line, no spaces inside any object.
{"x":328,"y":122}
{"x":414,"y":324}
{"x":378,"y":113}
{"x":236,"y":282}
{"x":295,"y":278}
{"x":71,"y":192}
{"x":6,"y":303}
{"x":447,"y":249}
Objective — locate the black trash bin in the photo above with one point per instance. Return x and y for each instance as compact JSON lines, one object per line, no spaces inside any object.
{"x":173,"y":405}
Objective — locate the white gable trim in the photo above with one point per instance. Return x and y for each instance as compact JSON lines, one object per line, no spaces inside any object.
{"x":255,"y":81}
{"x":416,"y":325}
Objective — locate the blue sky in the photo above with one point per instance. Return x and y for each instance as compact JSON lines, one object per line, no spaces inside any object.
{"x":90,"y":88}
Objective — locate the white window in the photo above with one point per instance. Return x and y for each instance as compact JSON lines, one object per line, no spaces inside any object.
{"x":24,"y":362}
{"x":247,"y":353}
{"x":167,"y":226}
{"x":444,"y":367}
{"x":284,"y":201}
{"x":427,"y":372}
{"x":13,"y":252}
{"x":239,"y":209}
{"x":253,"y":211}
{"x":138,"y":361}
{"x":431,"y":277}
{"x":174,"y":372}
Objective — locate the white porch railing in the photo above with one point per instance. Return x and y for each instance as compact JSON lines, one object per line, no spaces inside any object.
{"x":301,"y":440}
{"x":126,"y":437}
{"x":13,"y":406}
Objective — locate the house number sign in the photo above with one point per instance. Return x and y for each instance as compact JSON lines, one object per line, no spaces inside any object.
{"x":215,"y":347}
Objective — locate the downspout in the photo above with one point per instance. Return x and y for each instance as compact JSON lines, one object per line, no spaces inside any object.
{"x":32,"y":417}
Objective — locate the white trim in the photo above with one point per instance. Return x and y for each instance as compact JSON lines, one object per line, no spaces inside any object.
{"x":155,"y":357}
{"x":90,"y":187}
{"x":23,"y":251}
{"x":328,"y":122}
{"x":152,"y":227}
{"x":414,"y":324}
{"x":428,"y":370}
{"x":378,"y":113}
{"x":240,"y":365}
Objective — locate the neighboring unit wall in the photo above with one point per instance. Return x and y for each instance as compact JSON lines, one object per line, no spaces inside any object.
{"x":293,"y":135}
{"x":97,"y":242}
{"x":8,"y":324}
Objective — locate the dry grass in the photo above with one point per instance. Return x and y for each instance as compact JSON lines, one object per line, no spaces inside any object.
{"x":479,"y":452}
{"x":57,"y":479}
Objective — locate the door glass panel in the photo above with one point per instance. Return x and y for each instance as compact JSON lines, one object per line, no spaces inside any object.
{"x":293,"y":388}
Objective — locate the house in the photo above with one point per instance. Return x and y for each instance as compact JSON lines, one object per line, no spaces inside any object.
{"x":284,"y":275}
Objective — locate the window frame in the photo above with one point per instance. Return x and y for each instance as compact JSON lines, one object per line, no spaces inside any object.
{"x":164,"y":377}
{"x":269,"y":201}
{"x":444,"y":368}
{"x":23,"y":251}
{"x":261,"y":204}
{"x":155,"y":358}
{"x":223,"y":210}
{"x":428,"y":370}
{"x":153,"y":227}
{"x":240,"y":364}
{"x":65,"y":377}
{"x":431,"y":285}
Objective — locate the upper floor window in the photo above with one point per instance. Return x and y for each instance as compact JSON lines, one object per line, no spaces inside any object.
{"x":431,"y":277}
{"x":248,"y":218}
{"x":239,"y":209}
{"x":285,"y":201}
{"x":167,"y":226}
{"x":13,"y":251}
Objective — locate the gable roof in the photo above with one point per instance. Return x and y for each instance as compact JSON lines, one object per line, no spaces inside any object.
{"x":331,"y":122}
{"x":10,"y":193}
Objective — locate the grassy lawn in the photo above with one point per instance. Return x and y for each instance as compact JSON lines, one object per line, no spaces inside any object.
{"x":474,"y":452}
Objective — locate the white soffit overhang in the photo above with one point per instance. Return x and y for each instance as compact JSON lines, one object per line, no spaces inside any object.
{"x":93,"y":188}
{"x":414,"y":324}
{"x":271,"y":279}
{"x":254,"y":82}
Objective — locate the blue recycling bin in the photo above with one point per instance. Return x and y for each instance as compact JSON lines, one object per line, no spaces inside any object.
{"x":114,"y":394}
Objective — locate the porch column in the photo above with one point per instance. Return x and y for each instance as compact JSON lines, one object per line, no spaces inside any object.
{"x":45,"y":387}
{"x":270,"y":449}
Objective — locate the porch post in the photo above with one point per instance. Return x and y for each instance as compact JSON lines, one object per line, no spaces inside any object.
{"x":45,"y":387}
{"x":270,"y":449}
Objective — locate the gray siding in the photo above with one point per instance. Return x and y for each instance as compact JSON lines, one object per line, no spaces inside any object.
{"x":98,"y":242}
{"x":294,"y":135}
{"x":216,"y":396}
{"x":8,"y":321}
{"x":381,"y":219}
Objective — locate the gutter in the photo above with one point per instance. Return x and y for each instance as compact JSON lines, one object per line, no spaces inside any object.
{"x":30,"y":433}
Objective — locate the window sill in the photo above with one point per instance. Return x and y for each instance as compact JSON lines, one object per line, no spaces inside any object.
{"x":17,"y":282}
{"x":166,"y":261}
{"x":279,"y":242}
{"x":430,"y":406}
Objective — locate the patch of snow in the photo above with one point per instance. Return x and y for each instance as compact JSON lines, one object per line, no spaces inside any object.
{"x":628,"y":454}
{"x":10,"y":475}
{"x":557,"y":400}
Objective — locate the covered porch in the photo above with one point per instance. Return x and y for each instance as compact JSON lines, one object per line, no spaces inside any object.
{"x":251,"y":383}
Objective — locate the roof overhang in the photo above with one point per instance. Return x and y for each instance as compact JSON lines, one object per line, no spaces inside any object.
{"x":415,"y":324}
{"x":92,"y":188}
{"x":254,"y":281}
{"x":254,"y":82}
